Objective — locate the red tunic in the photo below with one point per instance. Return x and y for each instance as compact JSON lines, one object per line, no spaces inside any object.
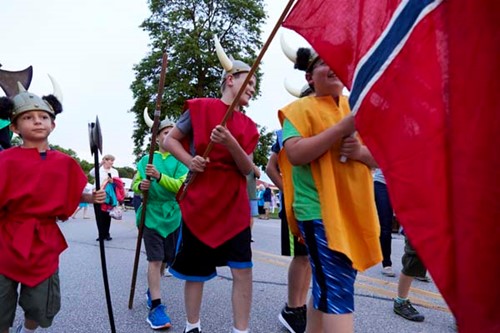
{"x":34,"y":192}
{"x":216,"y":207}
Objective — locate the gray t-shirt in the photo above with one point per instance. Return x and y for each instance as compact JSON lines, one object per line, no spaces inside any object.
{"x":186,"y":127}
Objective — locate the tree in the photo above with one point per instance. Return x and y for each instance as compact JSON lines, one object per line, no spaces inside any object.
{"x":261,"y":153}
{"x":185,"y":29}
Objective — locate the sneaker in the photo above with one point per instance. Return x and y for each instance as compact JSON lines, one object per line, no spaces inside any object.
{"x":294,"y":319}
{"x":406,"y":310}
{"x":149,"y":301}
{"x":387,"y":271}
{"x":194,"y":330}
{"x":423,"y":278}
{"x":158,"y":318}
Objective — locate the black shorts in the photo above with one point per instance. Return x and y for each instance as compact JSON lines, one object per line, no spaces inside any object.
{"x":159,"y":248}
{"x":290,"y":245}
{"x":412,"y":265}
{"x":196,"y":261}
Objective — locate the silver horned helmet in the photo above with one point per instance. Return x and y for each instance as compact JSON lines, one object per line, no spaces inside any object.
{"x":230,"y":65}
{"x":26,"y":101}
{"x":163,"y":124}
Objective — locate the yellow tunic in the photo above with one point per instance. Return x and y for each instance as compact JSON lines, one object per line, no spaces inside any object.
{"x":345,"y":190}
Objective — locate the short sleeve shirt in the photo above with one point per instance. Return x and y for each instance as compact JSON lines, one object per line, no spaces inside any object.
{"x":306,"y":203}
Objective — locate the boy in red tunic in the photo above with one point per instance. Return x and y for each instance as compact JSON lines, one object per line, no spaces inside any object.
{"x":215,"y":210}
{"x":39,"y":186}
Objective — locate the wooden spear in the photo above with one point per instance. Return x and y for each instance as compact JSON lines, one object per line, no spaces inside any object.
{"x":156,"y":123}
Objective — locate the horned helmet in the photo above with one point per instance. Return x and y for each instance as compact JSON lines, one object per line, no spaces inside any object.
{"x":229,"y":64}
{"x":163,"y":124}
{"x":24,"y":101}
{"x":303,"y":58}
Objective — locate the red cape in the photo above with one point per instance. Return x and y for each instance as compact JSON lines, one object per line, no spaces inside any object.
{"x":215,"y":207}
{"x":34,"y":194}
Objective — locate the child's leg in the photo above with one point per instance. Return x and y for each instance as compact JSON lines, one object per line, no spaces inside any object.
{"x":193,"y":292}
{"x":241,"y":297}
{"x":8,"y":301}
{"x":41,"y":303}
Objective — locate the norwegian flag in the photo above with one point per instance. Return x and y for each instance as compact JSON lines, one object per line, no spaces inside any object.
{"x":424,"y":81}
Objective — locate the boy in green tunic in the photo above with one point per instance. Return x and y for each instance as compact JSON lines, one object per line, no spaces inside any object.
{"x":163,"y":216}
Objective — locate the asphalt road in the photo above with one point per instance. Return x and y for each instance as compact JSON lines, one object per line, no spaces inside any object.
{"x":84,"y":306}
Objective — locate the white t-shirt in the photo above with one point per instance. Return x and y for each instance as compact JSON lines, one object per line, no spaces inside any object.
{"x":104,"y":174}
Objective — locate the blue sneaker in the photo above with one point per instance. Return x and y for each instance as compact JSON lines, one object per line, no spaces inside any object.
{"x":158,"y":318}
{"x":149,"y":301}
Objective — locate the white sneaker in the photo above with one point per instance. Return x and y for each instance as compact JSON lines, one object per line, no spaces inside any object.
{"x":387,"y":271}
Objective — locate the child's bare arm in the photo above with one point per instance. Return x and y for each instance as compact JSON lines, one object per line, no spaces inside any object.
{"x":302,"y":151}
{"x":273,"y":171}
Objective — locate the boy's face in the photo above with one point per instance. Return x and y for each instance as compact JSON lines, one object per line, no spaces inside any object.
{"x":324,"y":79}
{"x":235,"y":84}
{"x":161,"y":137}
{"x":33,"y":126}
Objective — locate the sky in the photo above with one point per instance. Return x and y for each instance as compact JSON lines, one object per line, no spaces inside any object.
{"x":90,"y":48}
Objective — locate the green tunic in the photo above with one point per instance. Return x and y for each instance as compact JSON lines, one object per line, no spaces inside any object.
{"x":163,"y":213}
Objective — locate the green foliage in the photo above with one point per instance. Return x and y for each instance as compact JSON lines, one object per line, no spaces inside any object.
{"x":126,"y":172}
{"x":185,"y":29}
{"x":261,"y":153}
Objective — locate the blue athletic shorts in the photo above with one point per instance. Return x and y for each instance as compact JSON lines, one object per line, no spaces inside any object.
{"x":332,"y":272}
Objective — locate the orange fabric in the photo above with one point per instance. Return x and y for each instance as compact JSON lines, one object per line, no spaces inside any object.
{"x":345,"y":189}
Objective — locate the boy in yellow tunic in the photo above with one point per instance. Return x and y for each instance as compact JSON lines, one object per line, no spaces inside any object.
{"x":330,"y":202}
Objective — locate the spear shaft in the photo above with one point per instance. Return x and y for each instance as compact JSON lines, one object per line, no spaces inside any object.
{"x":156,"y":123}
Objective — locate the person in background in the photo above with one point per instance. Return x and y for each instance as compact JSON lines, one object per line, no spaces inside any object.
{"x":83,"y":205}
{"x":106,"y":175}
{"x":385,"y":217}
{"x":252,"y":195}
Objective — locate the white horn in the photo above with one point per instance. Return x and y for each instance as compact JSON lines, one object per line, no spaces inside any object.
{"x":226,"y":63}
{"x":57,"y":89}
{"x":289,"y":51}
{"x":20,"y":87}
{"x":147,"y":119}
{"x":291,"y":89}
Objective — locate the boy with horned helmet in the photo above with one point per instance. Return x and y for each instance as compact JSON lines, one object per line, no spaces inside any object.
{"x":330,"y":204}
{"x":39,"y":186}
{"x":215,"y":210}
{"x":163,"y":217}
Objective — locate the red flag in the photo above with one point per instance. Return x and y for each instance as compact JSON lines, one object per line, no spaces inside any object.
{"x":424,"y":79}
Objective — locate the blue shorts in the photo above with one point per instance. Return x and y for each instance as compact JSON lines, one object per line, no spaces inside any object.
{"x":332,"y":272}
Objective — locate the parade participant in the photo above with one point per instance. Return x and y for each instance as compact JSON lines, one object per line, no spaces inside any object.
{"x":39,"y":186}
{"x":412,"y":268}
{"x":106,"y":175}
{"x":385,"y":216}
{"x":330,"y":202}
{"x":163,"y":217}
{"x":215,"y":210}
{"x":252,"y":194}
{"x":293,"y":314}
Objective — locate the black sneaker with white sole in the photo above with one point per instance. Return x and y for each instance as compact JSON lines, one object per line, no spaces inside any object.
{"x":294,"y":319}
